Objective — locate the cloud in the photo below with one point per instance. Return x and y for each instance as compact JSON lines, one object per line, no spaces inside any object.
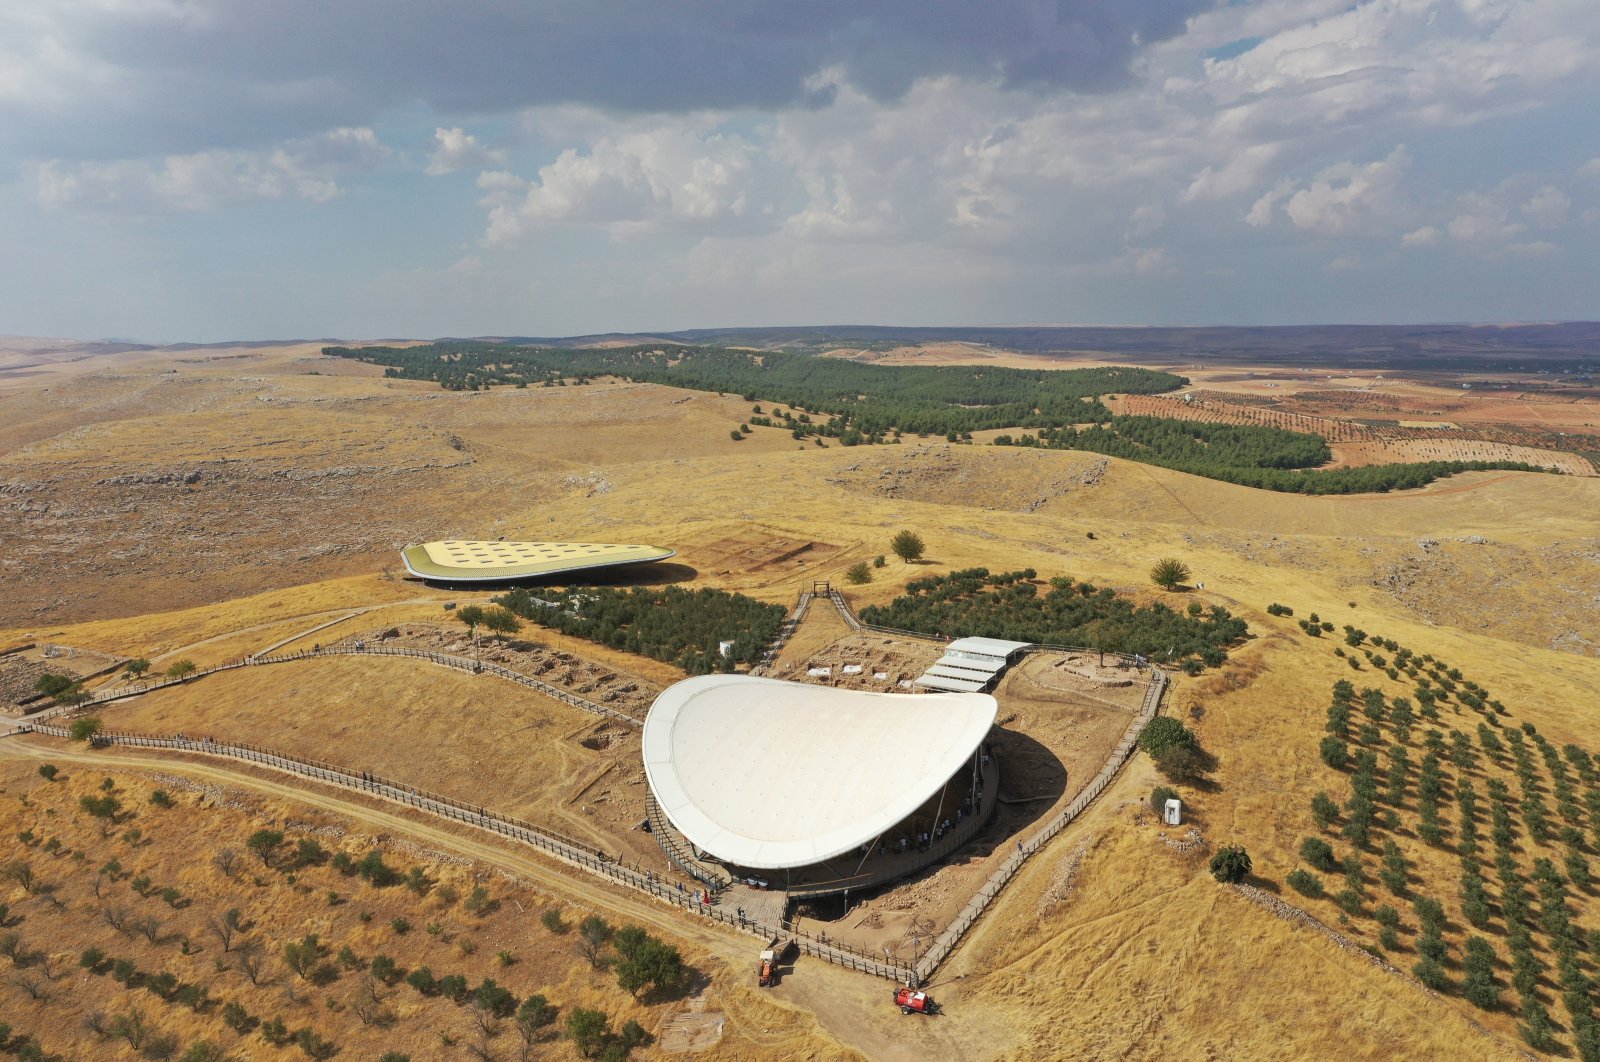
{"x":95,"y":80}
{"x":306,"y":168}
{"x":1427,"y":236}
{"x":634,"y":184}
{"x":456,"y":149}
{"x":1547,"y":208}
{"x":1339,"y":199}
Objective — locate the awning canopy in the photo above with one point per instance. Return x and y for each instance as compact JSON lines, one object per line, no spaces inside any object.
{"x":769,"y":774}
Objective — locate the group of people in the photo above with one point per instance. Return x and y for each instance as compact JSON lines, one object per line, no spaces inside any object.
{"x":922,"y":840}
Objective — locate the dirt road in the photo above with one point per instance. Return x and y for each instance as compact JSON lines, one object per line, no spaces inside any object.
{"x":849,"y":1006}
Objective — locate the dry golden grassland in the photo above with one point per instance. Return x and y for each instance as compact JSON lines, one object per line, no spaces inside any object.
{"x":485,"y":741}
{"x":83,"y":878}
{"x":1112,"y":942}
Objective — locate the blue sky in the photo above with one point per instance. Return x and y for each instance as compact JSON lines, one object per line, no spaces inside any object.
{"x":226,"y":169}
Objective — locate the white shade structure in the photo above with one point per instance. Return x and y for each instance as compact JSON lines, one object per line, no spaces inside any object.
{"x":471,"y":561}
{"x":769,"y":774}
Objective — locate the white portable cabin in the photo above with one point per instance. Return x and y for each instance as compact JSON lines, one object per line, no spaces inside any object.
{"x":1172,"y":814}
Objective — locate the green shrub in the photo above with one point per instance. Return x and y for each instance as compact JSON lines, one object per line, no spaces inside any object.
{"x":589,"y":1029}
{"x":1323,"y":809}
{"x":384,"y":968}
{"x":1478,"y":982}
{"x":1319,"y":854}
{"x":1431,"y":973}
{"x":275,"y":1032}
{"x":1164,"y":732}
{"x":1183,"y":763}
{"x":1305,"y":883}
{"x":1231,"y":864}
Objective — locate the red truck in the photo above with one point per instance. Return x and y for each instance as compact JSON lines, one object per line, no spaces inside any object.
{"x":913,"y":1002}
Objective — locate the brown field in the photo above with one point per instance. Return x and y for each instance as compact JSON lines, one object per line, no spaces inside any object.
{"x":1113,"y":942}
{"x":1357,"y":443}
{"x":1390,"y":451}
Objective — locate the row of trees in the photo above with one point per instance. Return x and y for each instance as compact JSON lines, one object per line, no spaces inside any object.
{"x":974,"y":602}
{"x":68,"y":690}
{"x":671,"y":624}
{"x":868,"y":400}
{"x":1459,"y":791}
{"x":1250,"y":455}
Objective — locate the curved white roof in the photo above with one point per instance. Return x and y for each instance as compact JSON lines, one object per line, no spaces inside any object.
{"x":463,"y":561}
{"x":770,"y":774}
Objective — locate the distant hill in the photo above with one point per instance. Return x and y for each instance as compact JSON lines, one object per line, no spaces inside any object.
{"x":1566,"y":346}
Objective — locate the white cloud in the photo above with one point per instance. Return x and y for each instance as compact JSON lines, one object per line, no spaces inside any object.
{"x":1145,"y":220}
{"x":1426,"y":236}
{"x":1240,"y":174}
{"x":1547,"y":208}
{"x":306,"y":168}
{"x":1142,"y":261}
{"x":672,"y":177}
{"x":1339,"y":199}
{"x":456,"y":149}
{"x":1484,"y":222}
{"x":1590,"y":168}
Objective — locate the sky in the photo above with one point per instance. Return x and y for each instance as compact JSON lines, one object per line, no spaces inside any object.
{"x":205,"y":170}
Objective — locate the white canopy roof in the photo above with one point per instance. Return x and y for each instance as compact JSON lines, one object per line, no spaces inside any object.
{"x":985,"y":646}
{"x":974,"y":666}
{"x":770,"y":774}
{"x":954,"y":685}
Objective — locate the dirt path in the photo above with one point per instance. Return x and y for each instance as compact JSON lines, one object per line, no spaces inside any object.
{"x":1423,"y":493}
{"x":348,"y":614}
{"x":525,"y":863}
{"x":849,"y":1006}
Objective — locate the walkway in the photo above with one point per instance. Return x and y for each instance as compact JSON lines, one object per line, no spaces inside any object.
{"x":766,"y":906}
{"x":572,"y":852}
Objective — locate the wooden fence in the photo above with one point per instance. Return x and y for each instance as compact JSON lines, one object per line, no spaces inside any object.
{"x":945,"y":943}
{"x":461,"y":663}
{"x":570,"y":851}
{"x":790,"y":624}
{"x":714,"y":876}
{"x":591,"y":859}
